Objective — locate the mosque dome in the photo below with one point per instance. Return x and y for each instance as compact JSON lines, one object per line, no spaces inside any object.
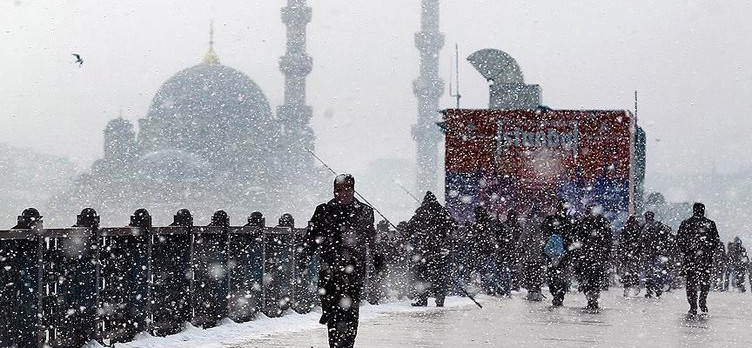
{"x":207,"y":92}
{"x":209,"y":109}
{"x":210,"y":95}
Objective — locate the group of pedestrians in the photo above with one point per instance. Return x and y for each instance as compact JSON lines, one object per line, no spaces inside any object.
{"x":439,"y":256}
{"x":645,"y":253}
{"x":431,"y":255}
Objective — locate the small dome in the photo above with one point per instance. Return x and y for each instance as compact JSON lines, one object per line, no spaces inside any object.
{"x":119,"y":125}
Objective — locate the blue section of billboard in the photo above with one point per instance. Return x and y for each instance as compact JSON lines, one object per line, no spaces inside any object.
{"x":500,"y":193}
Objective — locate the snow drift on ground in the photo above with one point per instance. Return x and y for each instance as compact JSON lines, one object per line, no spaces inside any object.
{"x":231,"y":333}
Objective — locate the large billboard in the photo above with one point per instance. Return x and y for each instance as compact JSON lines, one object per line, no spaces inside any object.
{"x":518,"y":159}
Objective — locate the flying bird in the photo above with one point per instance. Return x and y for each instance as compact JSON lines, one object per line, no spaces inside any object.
{"x":78,"y":60}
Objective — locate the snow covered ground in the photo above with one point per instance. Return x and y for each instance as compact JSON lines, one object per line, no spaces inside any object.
{"x":512,"y":322}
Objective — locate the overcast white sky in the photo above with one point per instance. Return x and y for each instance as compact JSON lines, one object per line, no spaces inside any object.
{"x":691,"y":62}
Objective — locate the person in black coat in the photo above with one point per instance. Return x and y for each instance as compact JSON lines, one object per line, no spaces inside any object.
{"x":558,"y":270}
{"x":697,"y":240}
{"x":595,"y":240}
{"x":509,"y":259}
{"x":719,"y":268}
{"x":343,"y":231}
{"x":430,"y":228}
{"x":485,"y":231}
{"x":630,"y":253}
{"x":532,"y":241}
{"x":738,"y":261}
{"x":654,"y":254}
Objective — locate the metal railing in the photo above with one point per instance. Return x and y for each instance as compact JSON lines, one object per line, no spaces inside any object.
{"x":64,"y":287}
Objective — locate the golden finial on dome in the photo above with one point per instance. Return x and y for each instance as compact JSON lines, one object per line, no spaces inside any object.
{"x":211,"y":57}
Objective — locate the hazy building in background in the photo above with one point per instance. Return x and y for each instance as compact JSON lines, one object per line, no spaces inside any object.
{"x":28,"y":179}
{"x":727,"y":197}
{"x":210,"y":141}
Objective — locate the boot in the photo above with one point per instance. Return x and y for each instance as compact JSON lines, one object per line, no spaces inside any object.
{"x":439,"y":302}
{"x":534,"y":296}
{"x":557,"y":301}
{"x":421,"y":302}
{"x":592,"y":305}
{"x":692,"y":299}
{"x":703,"y":305}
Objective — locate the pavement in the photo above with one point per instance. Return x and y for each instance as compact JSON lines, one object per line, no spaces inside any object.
{"x":515,"y":322}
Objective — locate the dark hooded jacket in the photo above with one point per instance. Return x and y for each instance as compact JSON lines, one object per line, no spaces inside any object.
{"x":430,"y":228}
{"x":654,"y":239}
{"x":697,"y":240}
{"x":560,"y":223}
{"x":342,"y":233}
{"x":630,"y":242}
{"x":595,"y":241}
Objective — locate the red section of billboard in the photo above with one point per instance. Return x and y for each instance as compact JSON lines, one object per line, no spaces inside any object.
{"x":526,"y":157}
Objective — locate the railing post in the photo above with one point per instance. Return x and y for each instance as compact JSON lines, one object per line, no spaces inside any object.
{"x":67,"y":277}
{"x":210,"y":276}
{"x":20,"y":272}
{"x":124,"y":287}
{"x":278,"y":277}
{"x":245,"y":264}
{"x":305,"y":288}
{"x":171,"y":269}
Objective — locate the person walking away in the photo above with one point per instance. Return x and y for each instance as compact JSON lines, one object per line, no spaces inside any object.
{"x":738,"y":261}
{"x":474,"y":261}
{"x":595,"y":241}
{"x":431,"y":226}
{"x":400,"y":270}
{"x":559,"y":227}
{"x":484,"y":233}
{"x":719,"y":268}
{"x":654,"y":254}
{"x":343,"y":231}
{"x":532,"y":241}
{"x":729,"y":276}
{"x":376,"y":285}
{"x":697,"y":240}
{"x":460,"y":258}
{"x":630,"y":246}
{"x":675,"y":280}
{"x":510,"y":266}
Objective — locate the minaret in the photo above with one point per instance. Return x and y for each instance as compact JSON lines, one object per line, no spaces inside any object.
{"x":428,"y":88}
{"x":294,"y":115}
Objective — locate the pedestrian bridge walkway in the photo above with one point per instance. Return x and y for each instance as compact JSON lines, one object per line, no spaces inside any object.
{"x":623,"y":322}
